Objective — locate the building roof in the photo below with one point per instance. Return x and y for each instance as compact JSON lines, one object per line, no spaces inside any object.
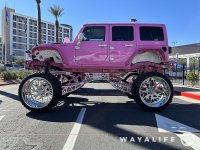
{"x":66,"y":25}
{"x":187,"y":49}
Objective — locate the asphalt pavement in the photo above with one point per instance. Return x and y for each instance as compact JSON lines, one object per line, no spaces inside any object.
{"x":98,"y":117}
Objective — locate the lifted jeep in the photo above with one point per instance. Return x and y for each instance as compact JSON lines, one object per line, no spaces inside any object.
{"x":131,"y":57}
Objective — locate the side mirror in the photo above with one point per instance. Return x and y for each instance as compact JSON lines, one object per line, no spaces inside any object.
{"x":81,"y":37}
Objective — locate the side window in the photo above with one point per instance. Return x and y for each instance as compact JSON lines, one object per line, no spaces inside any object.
{"x":151,"y":34}
{"x":122,"y":33}
{"x":96,"y":33}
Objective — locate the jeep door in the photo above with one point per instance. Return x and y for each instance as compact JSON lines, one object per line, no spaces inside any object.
{"x":94,"y":48}
{"x":122,"y":44}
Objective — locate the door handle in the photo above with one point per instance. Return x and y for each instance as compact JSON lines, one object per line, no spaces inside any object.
{"x":102,"y":45}
{"x":129,"y":45}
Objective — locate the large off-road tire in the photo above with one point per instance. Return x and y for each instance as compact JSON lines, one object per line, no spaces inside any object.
{"x":40,"y":92}
{"x":152,"y":91}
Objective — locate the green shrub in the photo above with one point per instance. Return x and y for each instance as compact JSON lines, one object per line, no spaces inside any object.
{"x":24,"y":73}
{"x":8,"y":75}
{"x":1,"y":70}
{"x":14,"y":75}
{"x":193,"y":78}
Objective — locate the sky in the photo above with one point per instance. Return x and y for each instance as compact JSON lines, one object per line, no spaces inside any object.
{"x":182,"y":17}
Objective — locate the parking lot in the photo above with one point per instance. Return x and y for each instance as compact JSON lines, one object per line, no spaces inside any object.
{"x":97,"y":117}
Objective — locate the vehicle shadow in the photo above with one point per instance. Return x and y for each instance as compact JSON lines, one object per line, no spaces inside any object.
{"x":100,"y":92}
{"x":107,"y":116}
{"x":9,"y":95}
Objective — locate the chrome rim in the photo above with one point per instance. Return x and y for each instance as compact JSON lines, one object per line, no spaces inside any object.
{"x":154,"y":92}
{"x":37,"y":92}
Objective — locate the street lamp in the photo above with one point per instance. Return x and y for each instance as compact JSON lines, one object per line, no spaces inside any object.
{"x":134,"y":20}
{"x":174,"y":43}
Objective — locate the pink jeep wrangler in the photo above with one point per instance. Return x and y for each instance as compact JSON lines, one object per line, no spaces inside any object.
{"x":131,"y":57}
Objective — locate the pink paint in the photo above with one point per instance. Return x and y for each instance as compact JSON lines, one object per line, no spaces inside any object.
{"x":107,"y":55}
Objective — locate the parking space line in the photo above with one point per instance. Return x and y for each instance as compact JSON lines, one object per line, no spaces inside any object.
{"x":1,"y":117}
{"x":69,"y":145}
{"x":184,"y":132}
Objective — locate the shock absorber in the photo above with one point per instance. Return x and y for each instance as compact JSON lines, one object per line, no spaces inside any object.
{"x":47,"y":66}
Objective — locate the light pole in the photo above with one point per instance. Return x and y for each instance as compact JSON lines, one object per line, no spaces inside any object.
{"x":176,"y":64}
{"x":174,"y":45}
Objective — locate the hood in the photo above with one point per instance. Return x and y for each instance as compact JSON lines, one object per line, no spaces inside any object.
{"x":51,"y":46}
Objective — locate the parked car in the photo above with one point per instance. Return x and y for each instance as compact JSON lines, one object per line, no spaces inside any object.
{"x":12,"y":67}
{"x":177,"y":71}
{"x":131,"y":57}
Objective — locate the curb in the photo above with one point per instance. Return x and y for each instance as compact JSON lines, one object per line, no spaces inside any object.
{"x":189,"y":95}
{"x":3,"y":84}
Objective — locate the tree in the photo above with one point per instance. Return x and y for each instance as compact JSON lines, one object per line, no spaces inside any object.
{"x":192,"y":64}
{"x":56,"y":11}
{"x":39,"y":22}
{"x":193,"y":78}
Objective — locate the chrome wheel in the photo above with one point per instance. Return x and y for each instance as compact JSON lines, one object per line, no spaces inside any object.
{"x":154,"y":92}
{"x":37,"y":92}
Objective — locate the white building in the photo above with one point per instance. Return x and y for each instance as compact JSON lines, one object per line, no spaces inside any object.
{"x":187,"y":53}
{"x":1,"y":50}
{"x":19,"y":33}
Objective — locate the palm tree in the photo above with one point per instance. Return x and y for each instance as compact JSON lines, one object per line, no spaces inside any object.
{"x":56,"y":11}
{"x":39,"y":22}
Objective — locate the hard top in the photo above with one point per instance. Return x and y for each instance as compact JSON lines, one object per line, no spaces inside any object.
{"x":138,"y":24}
